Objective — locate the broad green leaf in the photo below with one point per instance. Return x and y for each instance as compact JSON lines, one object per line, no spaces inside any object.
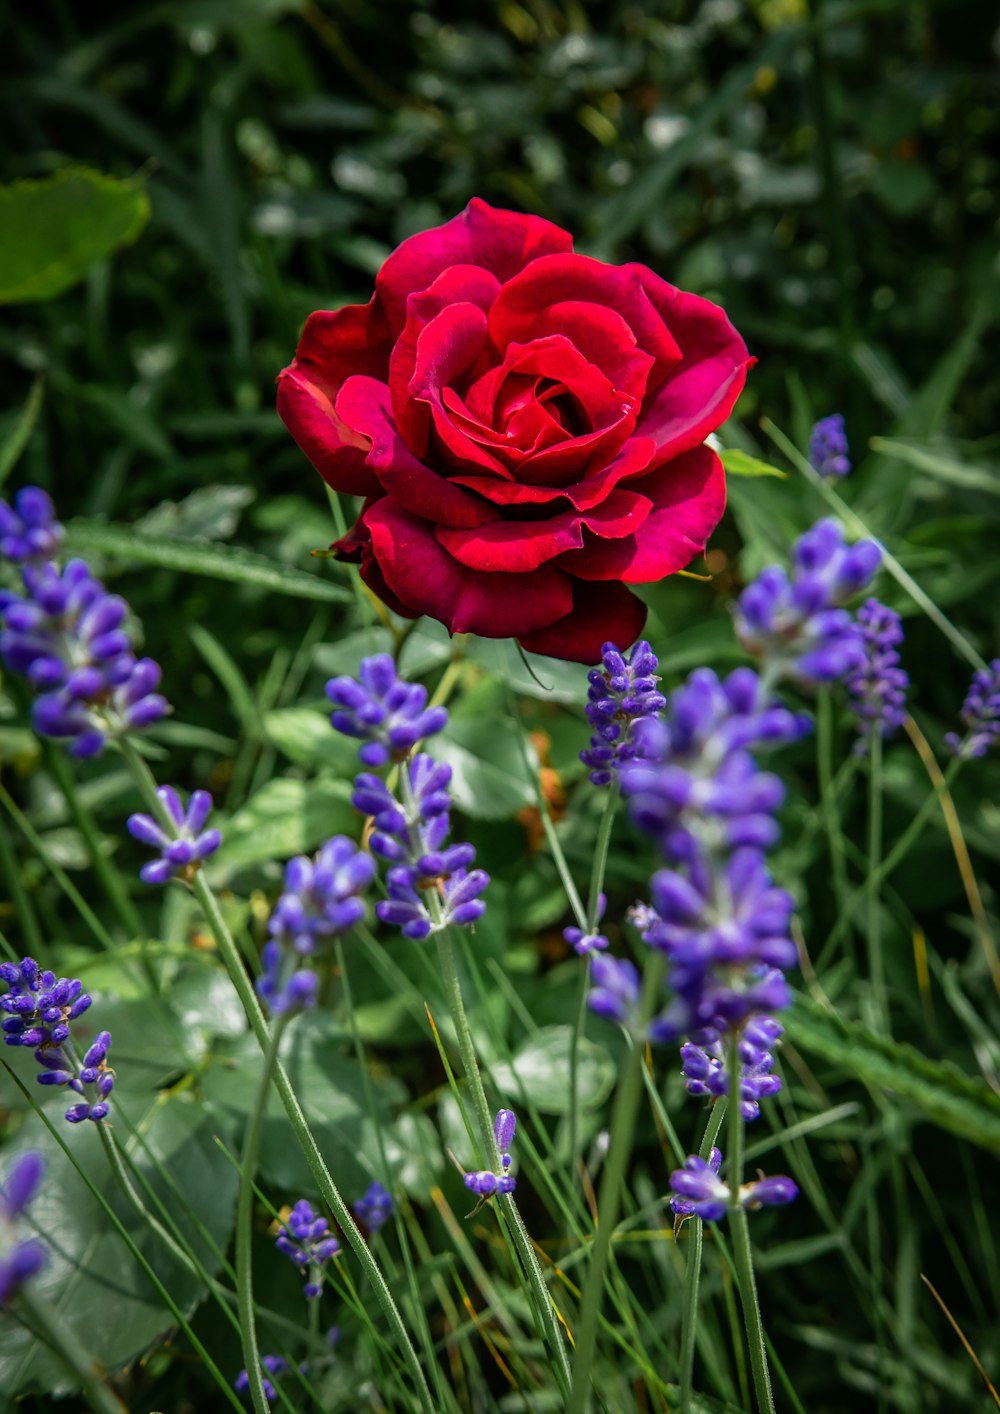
{"x":541,"y":1069}
{"x":284,"y":818}
{"x":941,"y":467}
{"x":52,"y":231}
{"x":739,"y":463}
{"x":489,"y":781}
{"x":228,"y":562}
{"x":306,"y":737}
{"x":958,"y":1103}
{"x":100,"y":1291}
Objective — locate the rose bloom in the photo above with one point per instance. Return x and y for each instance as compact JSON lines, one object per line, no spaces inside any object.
{"x":526,"y":427}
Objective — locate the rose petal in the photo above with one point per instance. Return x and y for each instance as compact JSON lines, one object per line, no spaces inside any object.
{"x":688,"y":496}
{"x":363,"y":405}
{"x":421,"y":574}
{"x":699,"y":394}
{"x":461,"y":284}
{"x":334,"y":345}
{"x":601,"y":613}
{"x":633,"y":460}
{"x":502,"y":242}
{"x":553,"y":294}
{"x":521,"y":545}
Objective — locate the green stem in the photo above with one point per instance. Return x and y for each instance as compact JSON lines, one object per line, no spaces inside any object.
{"x":623,"y":1118}
{"x":24,"y":909}
{"x":491,"y":1156}
{"x":742,"y":1254}
{"x":65,"y":1343}
{"x":828,"y":798}
{"x":873,"y":898}
{"x":244,"y":1224}
{"x":597,"y":873}
{"x":303,"y":1134}
{"x":692,"y":1273}
{"x":110,"y":879}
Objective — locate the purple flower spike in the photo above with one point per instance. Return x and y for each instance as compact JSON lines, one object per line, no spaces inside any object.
{"x":183,"y":849}
{"x":29,"y":531}
{"x":375,"y":1207}
{"x":320,"y":903}
{"x":20,"y":1259}
{"x":699,"y":1192}
{"x":305,"y":1238}
{"x":274,"y":1365}
{"x":878,"y":684}
{"x":615,"y":994}
{"x":622,"y":693}
{"x":486,"y":1183}
{"x":980,"y":714}
{"x":797,"y":626}
{"x":828,"y":449}
{"x":503,"y":1130}
{"x":65,"y":634}
{"x":706,"y":1072}
{"x":382,"y":710}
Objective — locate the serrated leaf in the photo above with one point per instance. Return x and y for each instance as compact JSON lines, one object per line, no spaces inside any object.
{"x":541,"y":1069}
{"x":229,"y":562}
{"x":52,"y":231}
{"x":953,"y":1101}
{"x":739,"y":463}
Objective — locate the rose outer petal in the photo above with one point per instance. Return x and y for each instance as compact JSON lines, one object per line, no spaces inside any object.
{"x":601,"y":613}
{"x":688,"y":496}
{"x":517,"y":546}
{"x":502,"y":242}
{"x":421,"y":574}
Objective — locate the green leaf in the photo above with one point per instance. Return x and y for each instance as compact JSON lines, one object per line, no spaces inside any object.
{"x":936,"y":464}
{"x":953,"y":1101}
{"x":285,"y":817}
{"x":15,"y":441}
{"x":52,"y":231}
{"x":489,"y":781}
{"x":738,"y":463}
{"x":306,"y":737}
{"x":228,"y":562}
{"x":541,"y":1069}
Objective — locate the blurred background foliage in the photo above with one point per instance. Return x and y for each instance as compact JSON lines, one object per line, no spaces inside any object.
{"x":829,"y":173}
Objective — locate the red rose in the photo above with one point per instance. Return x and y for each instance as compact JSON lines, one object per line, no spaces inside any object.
{"x":526,"y":425}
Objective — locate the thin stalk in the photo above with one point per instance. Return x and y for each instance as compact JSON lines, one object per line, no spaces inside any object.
{"x":491,"y":1157}
{"x":623,"y":1118}
{"x":303,"y":1134}
{"x":872,"y":893}
{"x":597,"y":873}
{"x":692,"y":1272}
{"x":63,"y":1340}
{"x":828,"y":799}
{"x":742,"y":1253}
{"x":110,"y":879}
{"x":244,"y":1224}
{"x":24,"y":909}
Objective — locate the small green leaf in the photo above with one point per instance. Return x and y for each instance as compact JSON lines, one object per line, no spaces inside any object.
{"x":489,"y":781}
{"x":52,"y":231}
{"x":541,"y":1069}
{"x":228,"y":562}
{"x":739,"y":463}
{"x":953,"y":1101}
{"x":306,"y":737}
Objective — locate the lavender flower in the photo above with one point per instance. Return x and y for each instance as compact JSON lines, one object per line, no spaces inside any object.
{"x":487,"y":1182}
{"x":39,"y":1006}
{"x":182,"y":851}
{"x":29,"y":531}
{"x":411,"y":837}
{"x":20,"y":1258}
{"x":706,"y":1072}
{"x":797,"y":626}
{"x":375,"y":1207}
{"x":306,"y":1239}
{"x":699,"y":1191}
{"x":878,"y":684}
{"x":93,"y":1078}
{"x":621,"y":693}
{"x":382,"y":710}
{"x":828,"y":449}
{"x":583,"y":942}
{"x":65,"y":636}
{"x":980,"y":713}
{"x":320,"y":902}
{"x":274,"y":1365}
